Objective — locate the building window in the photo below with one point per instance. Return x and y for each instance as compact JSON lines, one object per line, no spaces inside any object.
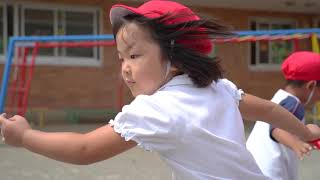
{"x":38,"y":22}
{"x":270,"y":53}
{"x":6,"y":26}
{"x":44,"y":19}
{"x":2,"y":35}
{"x":78,"y":23}
{"x":317,"y":23}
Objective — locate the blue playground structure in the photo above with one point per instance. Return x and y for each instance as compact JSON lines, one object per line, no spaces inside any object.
{"x":36,"y":42}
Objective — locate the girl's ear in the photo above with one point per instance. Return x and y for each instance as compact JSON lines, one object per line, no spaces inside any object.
{"x":310,"y":85}
{"x":175,"y":70}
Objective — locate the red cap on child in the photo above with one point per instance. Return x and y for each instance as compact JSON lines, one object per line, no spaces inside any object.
{"x":157,"y":8}
{"x":303,"y":66}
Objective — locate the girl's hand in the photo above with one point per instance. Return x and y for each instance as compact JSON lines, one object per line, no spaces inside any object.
{"x":13,"y":129}
{"x":301,"y":148}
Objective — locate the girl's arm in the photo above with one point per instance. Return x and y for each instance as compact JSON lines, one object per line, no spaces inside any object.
{"x":100,"y":144}
{"x":254,"y":108}
{"x":74,"y":148}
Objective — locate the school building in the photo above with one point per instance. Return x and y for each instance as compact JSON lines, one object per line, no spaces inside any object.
{"x":89,"y":78}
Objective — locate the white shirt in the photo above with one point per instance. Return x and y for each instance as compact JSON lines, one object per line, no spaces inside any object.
{"x":274,"y":159}
{"x":199,"y":132}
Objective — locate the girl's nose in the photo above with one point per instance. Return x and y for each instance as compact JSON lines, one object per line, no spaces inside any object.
{"x":125,"y":67}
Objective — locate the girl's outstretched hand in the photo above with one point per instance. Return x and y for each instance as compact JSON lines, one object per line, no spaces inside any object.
{"x":301,"y":148}
{"x":13,"y":129}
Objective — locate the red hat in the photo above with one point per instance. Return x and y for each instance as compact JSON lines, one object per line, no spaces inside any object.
{"x":157,"y":8}
{"x":302,"y":65}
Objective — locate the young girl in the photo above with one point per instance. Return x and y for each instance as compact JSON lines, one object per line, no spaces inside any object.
{"x":182,"y":108}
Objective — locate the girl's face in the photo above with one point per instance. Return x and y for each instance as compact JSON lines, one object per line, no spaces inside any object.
{"x":143,"y":68}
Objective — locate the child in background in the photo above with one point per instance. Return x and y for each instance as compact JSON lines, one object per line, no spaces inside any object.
{"x":183,"y":109}
{"x":275,"y":150}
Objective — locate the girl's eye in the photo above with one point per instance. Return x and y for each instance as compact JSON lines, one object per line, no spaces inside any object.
{"x":134,"y":56}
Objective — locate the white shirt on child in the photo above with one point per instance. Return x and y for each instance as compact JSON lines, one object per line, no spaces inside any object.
{"x":276,"y":160}
{"x":198,"y":132}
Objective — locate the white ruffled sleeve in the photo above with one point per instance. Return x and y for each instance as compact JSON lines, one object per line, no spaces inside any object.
{"x":144,"y":122}
{"x":232,"y":89}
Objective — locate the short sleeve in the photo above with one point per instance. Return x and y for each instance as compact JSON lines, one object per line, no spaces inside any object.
{"x":144,"y":122}
{"x":232,"y":89}
{"x":293,"y":106}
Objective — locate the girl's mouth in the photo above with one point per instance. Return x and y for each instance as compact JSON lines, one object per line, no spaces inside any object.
{"x":129,"y":82}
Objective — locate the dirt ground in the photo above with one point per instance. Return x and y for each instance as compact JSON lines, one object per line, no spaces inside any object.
{"x":135,"y":164}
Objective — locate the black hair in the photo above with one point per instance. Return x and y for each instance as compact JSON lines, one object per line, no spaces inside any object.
{"x":200,"y":67}
{"x":299,"y":83}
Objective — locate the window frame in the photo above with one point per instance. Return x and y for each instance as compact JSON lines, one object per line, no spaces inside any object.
{"x":316,"y":22}
{"x":56,"y":60}
{"x":269,"y":20}
{"x":4,"y":30}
